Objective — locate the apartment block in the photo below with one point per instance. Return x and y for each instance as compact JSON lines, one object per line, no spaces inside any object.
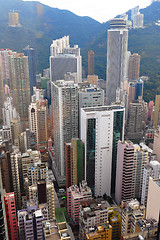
{"x":36,"y":196}
{"x":65,"y":118}
{"x":92,"y":214}
{"x":152,"y":169}
{"x":124,"y":173}
{"x":64,"y":59}
{"x":153,"y":204}
{"x":10,"y":207}
{"x":75,"y":195}
{"x":74,"y":158}
{"x":132,"y":212}
{"x":103,"y":232}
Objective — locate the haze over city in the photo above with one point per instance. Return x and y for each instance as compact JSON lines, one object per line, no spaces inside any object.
{"x":100,"y":10}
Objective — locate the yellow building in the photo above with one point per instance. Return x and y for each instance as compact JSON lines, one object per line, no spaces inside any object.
{"x":115,"y":220}
{"x":13,"y":19}
{"x":103,"y":232}
{"x":93,"y":79}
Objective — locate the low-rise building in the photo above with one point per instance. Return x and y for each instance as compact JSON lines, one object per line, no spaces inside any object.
{"x":92,"y":214}
{"x":75,"y":195}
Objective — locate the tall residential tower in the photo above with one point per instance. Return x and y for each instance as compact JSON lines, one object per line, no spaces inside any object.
{"x":117,"y":44}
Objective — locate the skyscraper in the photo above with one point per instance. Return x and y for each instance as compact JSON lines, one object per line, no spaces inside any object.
{"x":134,"y":130}
{"x":74,"y":154}
{"x":125,"y":156}
{"x":134,"y":67}
{"x":90,"y":62}
{"x":1,"y":90}
{"x":20,"y":87}
{"x":117,"y":44}
{"x":156,"y":119}
{"x":3,"y":222}
{"x":65,"y":59}
{"x":65,"y":118}
{"x":10,"y":208}
{"x":101,"y":128}
{"x":38,"y":122}
{"x":30,"y":52}
{"x":138,"y":20}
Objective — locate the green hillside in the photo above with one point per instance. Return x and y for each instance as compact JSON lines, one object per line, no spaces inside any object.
{"x":145,"y":41}
{"x":40,"y":25}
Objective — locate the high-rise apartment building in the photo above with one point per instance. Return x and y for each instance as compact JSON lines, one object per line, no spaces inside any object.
{"x":36,"y":196}
{"x":1,"y":89}
{"x":11,"y":216}
{"x":89,"y":96}
{"x":138,"y":20}
{"x":135,"y":117}
{"x":101,"y":128}
{"x":20,"y":87}
{"x":156,"y":148}
{"x":9,"y":112}
{"x":152,"y":169}
{"x":65,"y":118}
{"x":74,"y":159}
{"x":65,"y":59}
{"x":139,"y":89}
{"x":117,"y":44}
{"x":28,"y":158}
{"x":38,"y":122}
{"x":3,"y":222}
{"x":125,"y":156}
{"x":30,"y":223}
{"x":134,"y":11}
{"x":140,"y":160}
{"x":15,"y":158}
{"x":30,"y":53}
{"x":156,"y":119}
{"x":75,"y":195}
{"x":153,"y":203}
{"x":36,"y":172}
{"x":134,"y":67}
{"x":5,"y":168}
{"x":90,"y":62}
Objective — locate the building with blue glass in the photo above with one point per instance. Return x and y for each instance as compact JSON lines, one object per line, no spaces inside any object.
{"x":101,"y":128}
{"x":30,"y":52}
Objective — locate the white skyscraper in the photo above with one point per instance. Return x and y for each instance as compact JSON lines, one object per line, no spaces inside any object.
{"x":101,"y":128}
{"x":117,"y":44}
{"x":65,"y":59}
{"x":9,"y":112}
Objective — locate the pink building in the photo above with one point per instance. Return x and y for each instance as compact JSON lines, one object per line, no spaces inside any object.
{"x":125,"y":161}
{"x":150,"y":112}
{"x":131,"y":95}
{"x":75,"y":195}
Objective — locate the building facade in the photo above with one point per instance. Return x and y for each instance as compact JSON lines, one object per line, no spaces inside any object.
{"x":117,"y":44}
{"x":101,"y":128}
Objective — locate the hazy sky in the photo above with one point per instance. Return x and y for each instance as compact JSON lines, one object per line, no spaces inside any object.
{"x":100,"y":10}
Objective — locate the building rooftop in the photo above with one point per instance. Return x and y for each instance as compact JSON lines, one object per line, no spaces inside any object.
{"x":103,"y":108}
{"x":157,"y":182}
